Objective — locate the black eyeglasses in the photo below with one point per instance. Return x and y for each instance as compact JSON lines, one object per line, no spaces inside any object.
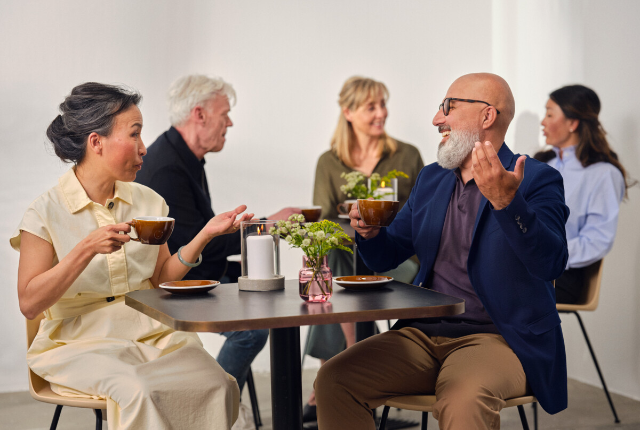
{"x":446,"y":104}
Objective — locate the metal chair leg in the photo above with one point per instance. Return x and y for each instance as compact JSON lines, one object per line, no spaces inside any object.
{"x":56,"y":417}
{"x":383,"y":420}
{"x":534,"y":405}
{"x":254,"y":400}
{"x":98,"y":419}
{"x":523,"y":418}
{"x":425,"y":421}
{"x":593,"y":356}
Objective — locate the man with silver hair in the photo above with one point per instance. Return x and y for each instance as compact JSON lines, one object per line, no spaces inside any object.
{"x":199,"y":109}
{"x":485,"y":230}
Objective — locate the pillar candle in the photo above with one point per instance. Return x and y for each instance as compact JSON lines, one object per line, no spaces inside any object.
{"x":260,"y":257}
{"x":386,"y":193}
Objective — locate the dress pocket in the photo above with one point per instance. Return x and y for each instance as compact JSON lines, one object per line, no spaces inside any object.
{"x":544,"y":324}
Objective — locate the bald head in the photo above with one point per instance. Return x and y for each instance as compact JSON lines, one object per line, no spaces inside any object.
{"x":490,"y":88}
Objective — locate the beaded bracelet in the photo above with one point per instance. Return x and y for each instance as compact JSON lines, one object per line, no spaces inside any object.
{"x":196,"y":264}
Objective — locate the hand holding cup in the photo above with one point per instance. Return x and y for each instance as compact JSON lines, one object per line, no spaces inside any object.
{"x":367,"y":232}
{"x":108,"y":239}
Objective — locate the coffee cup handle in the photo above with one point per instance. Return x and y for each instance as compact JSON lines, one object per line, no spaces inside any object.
{"x":133,"y":227}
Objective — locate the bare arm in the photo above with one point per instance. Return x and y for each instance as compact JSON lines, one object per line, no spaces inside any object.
{"x":169,"y":267}
{"x":40,"y":284}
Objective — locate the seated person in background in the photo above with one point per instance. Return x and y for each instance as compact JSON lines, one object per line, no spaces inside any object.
{"x":174,"y":168}
{"x":359,"y":143}
{"x":76,"y":265}
{"x":594,"y":181}
{"x":490,"y":231}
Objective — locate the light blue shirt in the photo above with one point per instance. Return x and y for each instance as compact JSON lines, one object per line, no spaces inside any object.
{"x":593,"y":195}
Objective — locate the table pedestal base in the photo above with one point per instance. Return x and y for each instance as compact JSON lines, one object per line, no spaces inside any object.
{"x":286,"y":378}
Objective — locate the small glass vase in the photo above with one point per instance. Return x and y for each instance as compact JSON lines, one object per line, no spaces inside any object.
{"x":316,"y":280}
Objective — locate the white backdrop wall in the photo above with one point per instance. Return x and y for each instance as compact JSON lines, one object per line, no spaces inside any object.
{"x":287,"y":61}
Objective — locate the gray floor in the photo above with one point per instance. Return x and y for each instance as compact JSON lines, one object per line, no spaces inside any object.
{"x":588,"y":410}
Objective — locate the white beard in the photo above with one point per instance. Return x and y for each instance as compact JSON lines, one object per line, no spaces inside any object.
{"x":457,"y":148}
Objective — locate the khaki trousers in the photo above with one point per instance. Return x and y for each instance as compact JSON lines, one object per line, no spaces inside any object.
{"x":470,"y":377}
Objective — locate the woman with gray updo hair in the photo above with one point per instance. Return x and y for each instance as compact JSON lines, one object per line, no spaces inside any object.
{"x":91,"y":107}
{"x":77,"y":262}
{"x":193,"y":90}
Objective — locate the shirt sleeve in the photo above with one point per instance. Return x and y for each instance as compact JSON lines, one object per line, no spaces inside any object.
{"x":598,"y":230}
{"x":32,"y":222}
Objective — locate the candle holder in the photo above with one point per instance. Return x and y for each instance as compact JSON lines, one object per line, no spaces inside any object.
{"x":260,"y":254}
{"x":388,"y":190}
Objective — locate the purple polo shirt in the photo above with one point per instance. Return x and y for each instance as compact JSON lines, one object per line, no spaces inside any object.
{"x":449,"y":274}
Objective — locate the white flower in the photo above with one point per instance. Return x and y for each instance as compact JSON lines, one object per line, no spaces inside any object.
{"x":320,"y":235}
{"x":306,"y":242}
{"x":289,"y":239}
{"x":272,"y":230}
{"x":288,"y":224}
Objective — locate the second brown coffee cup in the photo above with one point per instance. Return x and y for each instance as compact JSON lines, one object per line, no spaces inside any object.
{"x":345,"y":208}
{"x":152,"y":230}
{"x":311,"y":213}
{"x":378,"y":212}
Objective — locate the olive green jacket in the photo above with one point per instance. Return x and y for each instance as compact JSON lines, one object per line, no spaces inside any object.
{"x":326,"y":189}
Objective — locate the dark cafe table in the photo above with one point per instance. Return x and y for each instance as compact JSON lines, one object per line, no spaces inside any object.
{"x":283,"y":312}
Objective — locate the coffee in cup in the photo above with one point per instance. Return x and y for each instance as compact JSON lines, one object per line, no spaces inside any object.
{"x":378,"y":212}
{"x":311,"y":213}
{"x":345,"y":208}
{"x":152,"y":230}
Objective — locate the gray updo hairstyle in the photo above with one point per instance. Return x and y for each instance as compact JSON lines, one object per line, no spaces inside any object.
{"x":91,"y":107}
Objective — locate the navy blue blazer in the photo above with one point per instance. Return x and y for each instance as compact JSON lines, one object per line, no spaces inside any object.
{"x":515,"y":255}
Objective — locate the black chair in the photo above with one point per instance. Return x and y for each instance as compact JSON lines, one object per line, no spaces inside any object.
{"x":254,"y":400}
{"x":589,"y":302}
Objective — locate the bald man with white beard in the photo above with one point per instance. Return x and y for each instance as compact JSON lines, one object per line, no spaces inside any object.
{"x":486,"y":230}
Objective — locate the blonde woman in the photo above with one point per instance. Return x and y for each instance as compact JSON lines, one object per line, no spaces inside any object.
{"x":359,"y":143}
{"x":77,"y":262}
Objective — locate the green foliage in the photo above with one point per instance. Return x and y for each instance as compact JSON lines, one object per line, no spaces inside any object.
{"x":356,"y":186}
{"x":315,"y":239}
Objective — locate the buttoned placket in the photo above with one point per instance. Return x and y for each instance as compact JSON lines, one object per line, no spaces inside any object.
{"x":116,"y":261}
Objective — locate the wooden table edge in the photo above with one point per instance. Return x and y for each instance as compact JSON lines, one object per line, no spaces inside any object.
{"x":295,"y":320}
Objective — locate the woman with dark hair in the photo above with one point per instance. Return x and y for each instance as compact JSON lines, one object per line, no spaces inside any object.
{"x":595,"y":181}
{"x":77,"y":262}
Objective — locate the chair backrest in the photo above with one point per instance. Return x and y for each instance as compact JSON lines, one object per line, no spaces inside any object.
{"x":36,"y":383}
{"x":590,"y":293}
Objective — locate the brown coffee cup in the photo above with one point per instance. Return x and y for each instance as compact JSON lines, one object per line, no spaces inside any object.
{"x":152,"y":230}
{"x":345,"y":208}
{"x":378,"y":212}
{"x":311,"y":213}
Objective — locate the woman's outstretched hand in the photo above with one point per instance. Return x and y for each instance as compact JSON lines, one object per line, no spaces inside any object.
{"x":226,"y":222}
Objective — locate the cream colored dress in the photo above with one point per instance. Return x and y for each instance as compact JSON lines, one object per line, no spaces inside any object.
{"x":151,"y":376}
